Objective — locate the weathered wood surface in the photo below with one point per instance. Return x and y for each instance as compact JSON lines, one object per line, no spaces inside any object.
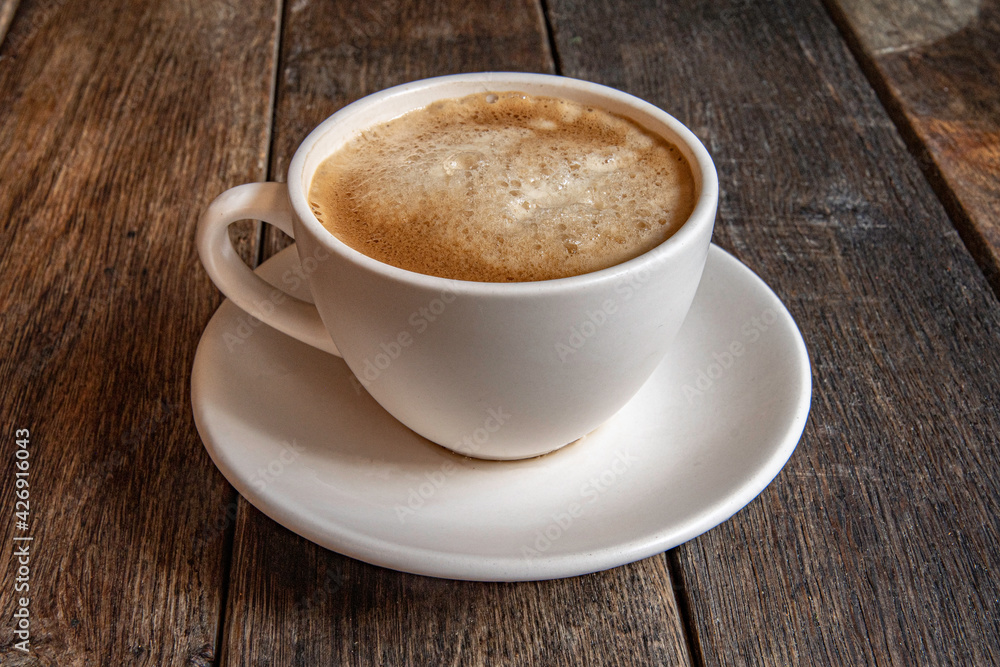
{"x":936,"y":65}
{"x":879,"y":542}
{"x":117,"y":126}
{"x":293,"y":603}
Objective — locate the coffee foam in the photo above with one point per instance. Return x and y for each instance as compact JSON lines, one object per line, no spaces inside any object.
{"x":504,"y":187}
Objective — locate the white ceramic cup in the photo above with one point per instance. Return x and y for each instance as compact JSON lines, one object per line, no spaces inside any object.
{"x":489,"y":370}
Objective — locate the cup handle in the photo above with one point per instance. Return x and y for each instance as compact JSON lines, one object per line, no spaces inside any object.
{"x":271,"y":305}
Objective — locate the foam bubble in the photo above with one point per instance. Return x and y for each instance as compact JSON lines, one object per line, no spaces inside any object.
{"x":504,"y":187}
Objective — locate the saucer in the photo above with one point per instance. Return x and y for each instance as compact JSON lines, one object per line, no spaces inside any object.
{"x":298,"y":437}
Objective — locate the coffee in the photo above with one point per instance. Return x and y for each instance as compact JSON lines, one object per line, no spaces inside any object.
{"x":504,"y":187}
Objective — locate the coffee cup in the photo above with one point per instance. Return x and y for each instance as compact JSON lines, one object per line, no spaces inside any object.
{"x":494,"y":370}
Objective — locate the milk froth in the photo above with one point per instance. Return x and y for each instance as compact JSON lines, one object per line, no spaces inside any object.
{"x":504,"y":187}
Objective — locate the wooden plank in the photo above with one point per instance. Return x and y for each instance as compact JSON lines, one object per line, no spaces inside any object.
{"x":292,"y":602}
{"x":878,"y":542}
{"x":936,"y":67}
{"x":116,"y":128}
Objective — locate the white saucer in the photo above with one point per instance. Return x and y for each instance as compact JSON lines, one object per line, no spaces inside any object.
{"x":293,"y":432}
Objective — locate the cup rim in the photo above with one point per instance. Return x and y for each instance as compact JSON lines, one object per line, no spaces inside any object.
{"x":689,"y":233}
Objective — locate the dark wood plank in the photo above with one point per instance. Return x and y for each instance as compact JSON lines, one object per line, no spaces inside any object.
{"x":116,"y":128}
{"x":292,"y":602}
{"x":877,"y":543}
{"x":936,"y":66}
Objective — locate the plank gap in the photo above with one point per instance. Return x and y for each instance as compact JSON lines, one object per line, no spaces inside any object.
{"x":260,"y":232}
{"x":279,"y":26}
{"x":685,"y":609}
{"x":228,"y":540}
{"x":973,"y":238}
{"x":550,"y":37}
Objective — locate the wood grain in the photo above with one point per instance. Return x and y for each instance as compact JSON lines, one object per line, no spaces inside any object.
{"x":116,"y":128}
{"x":877,"y":543}
{"x":293,"y":603}
{"x":936,"y":66}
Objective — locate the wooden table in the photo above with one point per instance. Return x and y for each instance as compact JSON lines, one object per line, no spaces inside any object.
{"x":858,"y":150}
